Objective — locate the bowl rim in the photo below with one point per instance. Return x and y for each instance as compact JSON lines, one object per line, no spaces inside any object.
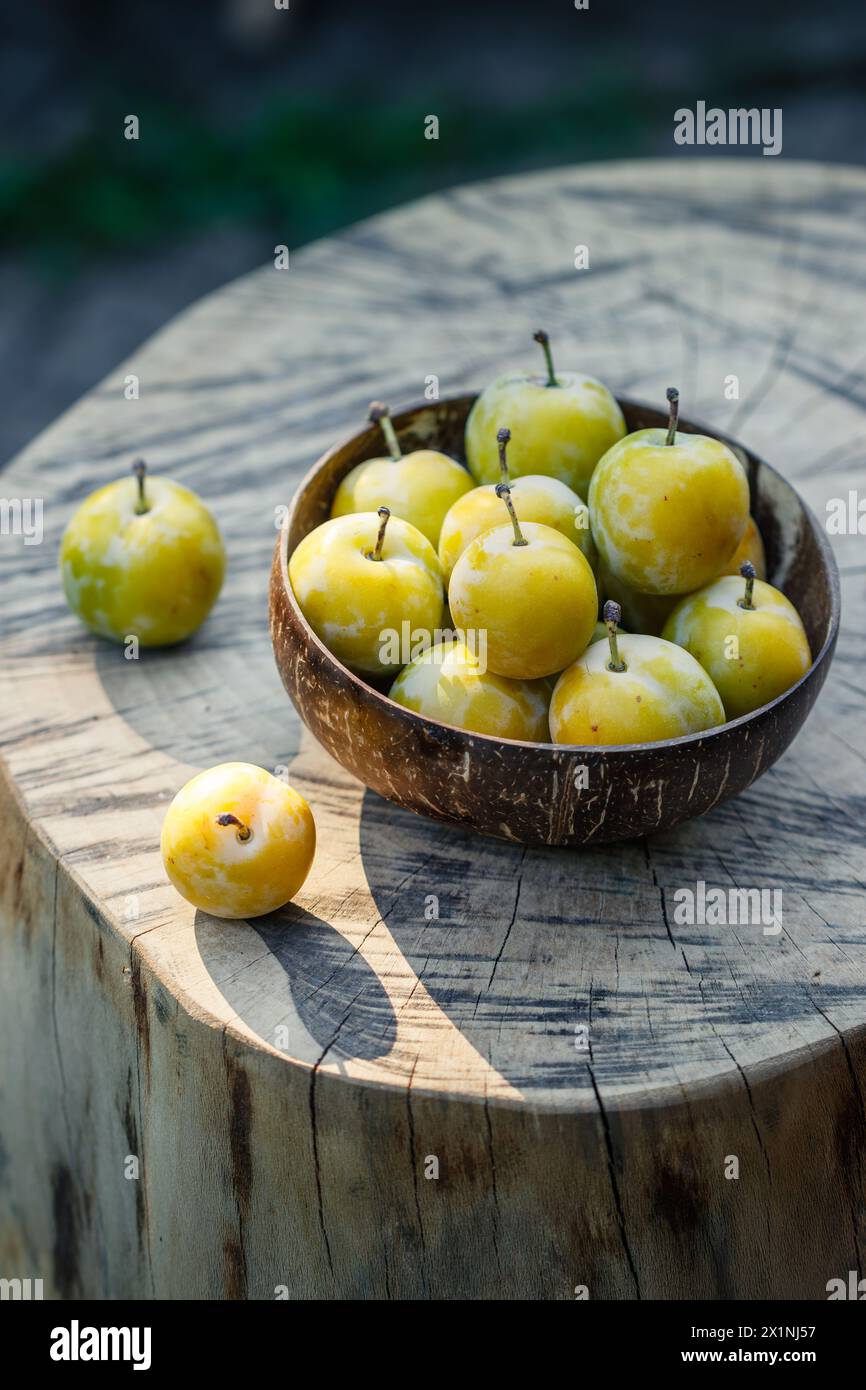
{"x":404,"y":416}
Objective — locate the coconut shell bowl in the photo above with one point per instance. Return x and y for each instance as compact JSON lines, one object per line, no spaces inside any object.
{"x":547,"y":794}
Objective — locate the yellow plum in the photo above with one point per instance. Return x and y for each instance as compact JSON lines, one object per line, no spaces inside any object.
{"x":358,"y":578}
{"x":668,"y":510}
{"x":633,"y":689}
{"x":751,"y":548}
{"x":237,"y":842}
{"x":448,"y":683}
{"x":535,"y":497}
{"x":531,"y":590}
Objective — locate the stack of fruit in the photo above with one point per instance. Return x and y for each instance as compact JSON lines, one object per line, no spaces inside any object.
{"x":499,"y":571}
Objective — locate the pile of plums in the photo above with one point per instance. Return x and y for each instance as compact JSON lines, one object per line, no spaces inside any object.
{"x":497,"y":571}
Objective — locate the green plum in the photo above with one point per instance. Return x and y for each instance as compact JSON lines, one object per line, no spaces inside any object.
{"x":600,"y":633}
{"x":750,"y":640}
{"x":562,"y":423}
{"x":142,"y":559}
{"x":418,"y":487}
{"x":645,"y":613}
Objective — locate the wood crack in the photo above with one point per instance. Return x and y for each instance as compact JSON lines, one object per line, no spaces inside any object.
{"x":611,"y":1168}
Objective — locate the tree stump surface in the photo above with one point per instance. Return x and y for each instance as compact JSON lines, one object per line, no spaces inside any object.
{"x":580,"y":1068}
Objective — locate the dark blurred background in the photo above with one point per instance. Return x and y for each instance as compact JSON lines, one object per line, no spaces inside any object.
{"x":262,"y":125}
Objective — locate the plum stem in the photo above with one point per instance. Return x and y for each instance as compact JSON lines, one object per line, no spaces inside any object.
{"x":380,"y":415}
{"x":748,"y":571}
{"x":504,"y":491}
{"x":502,"y":439}
{"x":673,"y":396}
{"x":612,"y":617}
{"x":384,"y":517}
{"x":542,"y":338}
{"x":227,"y":818}
{"x":139,"y":469}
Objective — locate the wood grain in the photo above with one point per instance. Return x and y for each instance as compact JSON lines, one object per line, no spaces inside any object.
{"x":283,"y":1084}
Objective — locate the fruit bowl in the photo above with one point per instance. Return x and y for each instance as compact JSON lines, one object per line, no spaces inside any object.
{"x":547,"y":794}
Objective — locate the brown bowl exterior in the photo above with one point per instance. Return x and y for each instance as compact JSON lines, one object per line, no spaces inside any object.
{"x":546,"y":794}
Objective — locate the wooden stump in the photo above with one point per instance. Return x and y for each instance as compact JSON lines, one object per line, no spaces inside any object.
{"x":455,"y":1069}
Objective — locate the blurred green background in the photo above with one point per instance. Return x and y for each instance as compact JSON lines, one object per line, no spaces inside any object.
{"x":261,"y":125}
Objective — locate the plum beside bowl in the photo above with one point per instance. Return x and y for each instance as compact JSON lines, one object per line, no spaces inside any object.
{"x":539,"y":794}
